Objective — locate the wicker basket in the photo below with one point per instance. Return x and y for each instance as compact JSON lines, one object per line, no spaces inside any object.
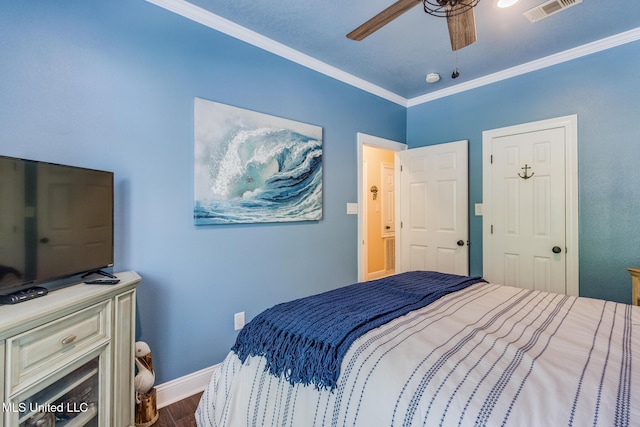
{"x":146,"y":410}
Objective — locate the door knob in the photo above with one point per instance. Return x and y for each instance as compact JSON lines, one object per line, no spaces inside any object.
{"x":556,"y":250}
{"x":44,"y":240}
{"x":460,"y":243}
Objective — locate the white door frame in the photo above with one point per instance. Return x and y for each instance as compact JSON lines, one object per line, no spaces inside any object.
{"x":386,"y":144}
{"x":570,"y":125}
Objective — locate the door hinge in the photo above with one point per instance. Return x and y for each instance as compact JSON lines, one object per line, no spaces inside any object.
{"x":492,"y":159}
{"x":401,"y":224}
{"x":491,"y":228}
{"x":401,"y":168}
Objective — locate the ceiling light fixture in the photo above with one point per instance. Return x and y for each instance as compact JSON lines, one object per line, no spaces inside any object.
{"x":506,"y":3}
{"x":433,"y":77}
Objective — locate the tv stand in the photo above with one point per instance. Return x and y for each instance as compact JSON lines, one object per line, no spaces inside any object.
{"x":73,"y":349}
{"x":100,"y":272}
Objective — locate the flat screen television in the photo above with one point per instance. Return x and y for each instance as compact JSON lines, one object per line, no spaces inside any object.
{"x":56,"y":221}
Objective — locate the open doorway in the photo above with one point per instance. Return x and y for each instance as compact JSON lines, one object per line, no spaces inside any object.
{"x":376,"y":243}
{"x":378,"y":211}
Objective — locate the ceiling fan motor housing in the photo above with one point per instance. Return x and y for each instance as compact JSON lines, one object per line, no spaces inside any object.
{"x":447,"y":8}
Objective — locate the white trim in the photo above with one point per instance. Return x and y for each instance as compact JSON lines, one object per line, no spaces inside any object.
{"x":538,"y":64}
{"x":570,"y":125}
{"x":183,"y":387}
{"x":365,"y":222}
{"x":206,"y":18}
{"x":211,"y":20}
{"x":387,"y":144}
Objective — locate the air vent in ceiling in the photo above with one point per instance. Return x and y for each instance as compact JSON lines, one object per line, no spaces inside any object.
{"x":549,"y":8}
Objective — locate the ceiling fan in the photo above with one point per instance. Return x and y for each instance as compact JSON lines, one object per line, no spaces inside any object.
{"x":459,"y":14}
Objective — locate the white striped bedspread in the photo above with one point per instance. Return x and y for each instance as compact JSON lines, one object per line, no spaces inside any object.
{"x":488,"y":355}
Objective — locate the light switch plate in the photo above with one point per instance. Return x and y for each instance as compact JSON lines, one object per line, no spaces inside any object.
{"x":478,"y":207}
{"x":352,"y":209}
{"x":238,"y":321}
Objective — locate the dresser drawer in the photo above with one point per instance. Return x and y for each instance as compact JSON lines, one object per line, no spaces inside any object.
{"x":45,"y":349}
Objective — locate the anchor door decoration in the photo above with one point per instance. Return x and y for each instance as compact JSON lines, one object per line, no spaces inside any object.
{"x":526,"y":171}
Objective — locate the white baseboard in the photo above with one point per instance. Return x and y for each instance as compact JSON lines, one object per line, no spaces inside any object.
{"x":183,"y":387}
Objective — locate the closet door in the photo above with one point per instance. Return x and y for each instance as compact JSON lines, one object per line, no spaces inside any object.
{"x":528,"y":195}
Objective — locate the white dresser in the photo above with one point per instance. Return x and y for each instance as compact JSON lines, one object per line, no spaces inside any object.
{"x":70,"y":355}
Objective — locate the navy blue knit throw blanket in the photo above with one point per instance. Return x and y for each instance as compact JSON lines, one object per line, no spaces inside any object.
{"x":306,"y":339}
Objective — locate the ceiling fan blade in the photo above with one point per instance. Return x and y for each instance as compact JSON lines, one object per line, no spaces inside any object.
{"x":382,"y":19}
{"x":462,"y":27}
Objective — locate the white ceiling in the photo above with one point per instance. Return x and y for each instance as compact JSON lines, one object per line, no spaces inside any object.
{"x":394,"y":61}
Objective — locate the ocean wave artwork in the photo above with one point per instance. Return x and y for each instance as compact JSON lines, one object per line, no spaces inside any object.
{"x":251,"y":167}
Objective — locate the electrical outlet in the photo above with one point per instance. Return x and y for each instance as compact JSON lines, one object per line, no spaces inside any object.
{"x":238,"y":321}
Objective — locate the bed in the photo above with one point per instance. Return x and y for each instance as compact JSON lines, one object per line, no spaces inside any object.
{"x":480,"y":354}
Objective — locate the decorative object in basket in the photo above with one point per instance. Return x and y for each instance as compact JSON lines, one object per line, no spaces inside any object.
{"x":146,"y":409}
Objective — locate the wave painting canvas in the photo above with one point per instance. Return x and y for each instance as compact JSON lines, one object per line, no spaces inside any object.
{"x":252,"y":167}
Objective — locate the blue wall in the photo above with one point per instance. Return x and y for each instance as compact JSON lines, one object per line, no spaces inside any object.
{"x":110,"y":85}
{"x":604,"y":91}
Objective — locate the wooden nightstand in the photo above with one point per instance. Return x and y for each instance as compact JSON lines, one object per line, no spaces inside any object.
{"x":635,"y":283}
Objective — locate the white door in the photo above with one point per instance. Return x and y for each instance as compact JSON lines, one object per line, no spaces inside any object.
{"x":528,"y":210}
{"x":388,"y":200}
{"x":434,"y":213}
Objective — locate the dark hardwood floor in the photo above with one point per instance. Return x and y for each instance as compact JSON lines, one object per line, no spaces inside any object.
{"x":179,"y":414}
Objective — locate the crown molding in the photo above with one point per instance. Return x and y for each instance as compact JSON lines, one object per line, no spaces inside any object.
{"x":538,"y":64}
{"x":211,"y":20}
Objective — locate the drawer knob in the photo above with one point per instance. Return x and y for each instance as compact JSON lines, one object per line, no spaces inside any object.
{"x":69,"y":339}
